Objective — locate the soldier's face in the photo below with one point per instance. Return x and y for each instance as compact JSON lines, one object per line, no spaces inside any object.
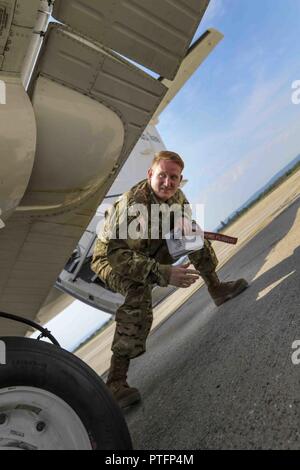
{"x":165,"y":178}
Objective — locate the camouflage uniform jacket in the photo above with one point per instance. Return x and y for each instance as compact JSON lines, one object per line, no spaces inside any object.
{"x":144,"y":259}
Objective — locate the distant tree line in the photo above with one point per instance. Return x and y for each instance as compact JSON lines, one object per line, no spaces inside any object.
{"x":93,"y":335}
{"x":271,"y":188}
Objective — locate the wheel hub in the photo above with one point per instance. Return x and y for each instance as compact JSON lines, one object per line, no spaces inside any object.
{"x":35,"y":419}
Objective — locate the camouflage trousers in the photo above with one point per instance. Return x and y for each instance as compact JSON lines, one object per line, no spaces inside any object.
{"x":134,"y":318}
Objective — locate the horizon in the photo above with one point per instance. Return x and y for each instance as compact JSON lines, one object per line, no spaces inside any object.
{"x":256,"y":195}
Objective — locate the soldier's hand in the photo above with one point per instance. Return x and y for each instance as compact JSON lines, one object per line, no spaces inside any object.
{"x":181,"y":276}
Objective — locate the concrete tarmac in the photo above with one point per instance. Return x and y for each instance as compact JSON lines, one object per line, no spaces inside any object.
{"x":97,"y":352}
{"x":223,"y":377}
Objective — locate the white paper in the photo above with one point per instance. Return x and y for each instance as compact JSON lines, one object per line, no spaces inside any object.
{"x":179,"y":245}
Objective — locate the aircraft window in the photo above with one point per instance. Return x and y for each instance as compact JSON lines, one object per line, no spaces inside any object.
{"x":87,"y":275}
{"x":73,"y":261}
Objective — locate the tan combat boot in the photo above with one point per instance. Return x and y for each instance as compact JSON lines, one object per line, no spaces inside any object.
{"x":116,"y":382}
{"x":223,"y":291}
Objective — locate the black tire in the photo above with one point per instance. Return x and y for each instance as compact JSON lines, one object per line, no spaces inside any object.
{"x":38,"y":364}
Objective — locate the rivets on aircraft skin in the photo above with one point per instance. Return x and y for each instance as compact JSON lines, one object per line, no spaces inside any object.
{"x":40,"y":426}
{"x":3,"y":418}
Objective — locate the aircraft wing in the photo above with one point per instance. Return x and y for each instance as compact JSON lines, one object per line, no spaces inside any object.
{"x":193,"y":59}
{"x":156,"y":34}
{"x":88,"y":106}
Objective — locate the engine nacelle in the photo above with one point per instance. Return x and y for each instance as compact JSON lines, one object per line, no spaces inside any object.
{"x":79,"y":143}
{"x":17,"y":143}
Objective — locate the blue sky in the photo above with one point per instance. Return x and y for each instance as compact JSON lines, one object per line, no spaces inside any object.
{"x":234,"y":122}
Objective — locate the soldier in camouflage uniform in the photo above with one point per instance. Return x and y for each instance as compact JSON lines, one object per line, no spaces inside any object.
{"x":132,"y":265}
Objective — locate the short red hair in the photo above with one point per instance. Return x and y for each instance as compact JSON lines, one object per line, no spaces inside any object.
{"x":167,"y":155}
